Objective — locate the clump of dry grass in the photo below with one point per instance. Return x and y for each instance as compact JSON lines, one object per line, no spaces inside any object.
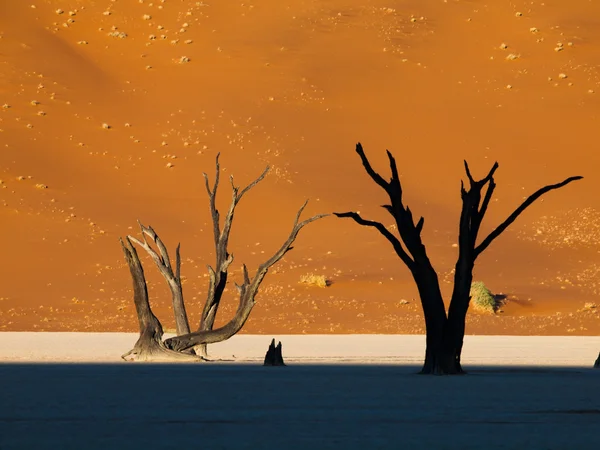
{"x":315,"y":280}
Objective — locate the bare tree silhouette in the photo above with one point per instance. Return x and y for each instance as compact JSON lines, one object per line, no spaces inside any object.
{"x":445,"y":331}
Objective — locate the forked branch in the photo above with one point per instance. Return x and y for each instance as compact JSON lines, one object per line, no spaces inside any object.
{"x":163,"y":262}
{"x":410,"y":233}
{"x":367,"y":165}
{"x":247,"y":293}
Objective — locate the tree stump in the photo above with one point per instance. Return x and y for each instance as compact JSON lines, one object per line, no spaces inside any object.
{"x":274,"y":356}
{"x":597,"y":363}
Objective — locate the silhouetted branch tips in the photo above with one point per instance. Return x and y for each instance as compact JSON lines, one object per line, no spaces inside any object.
{"x":463,"y":191}
{"x":420,"y":224}
{"x":517,"y":212}
{"x":490,"y":175}
{"x":274,"y":356}
{"x":393,"y":168}
{"x":367,"y":165}
{"x":469,"y":176}
{"x":597,"y":363}
{"x":488,"y":197}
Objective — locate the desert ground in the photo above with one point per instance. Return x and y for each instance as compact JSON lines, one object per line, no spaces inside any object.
{"x":110,"y":111}
{"x":350,"y":392}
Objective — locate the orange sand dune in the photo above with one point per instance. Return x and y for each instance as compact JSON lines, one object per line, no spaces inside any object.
{"x":295,"y":85}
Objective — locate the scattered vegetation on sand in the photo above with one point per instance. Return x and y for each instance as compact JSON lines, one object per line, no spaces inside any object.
{"x":482,"y":298}
{"x":315,"y":280}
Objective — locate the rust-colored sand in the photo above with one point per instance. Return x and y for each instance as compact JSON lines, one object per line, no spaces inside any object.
{"x":295,"y":85}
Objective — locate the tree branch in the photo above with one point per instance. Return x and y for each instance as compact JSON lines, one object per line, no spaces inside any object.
{"x":287,"y":246}
{"x":247,"y":292}
{"x":163,"y":263}
{"x":471,"y":180}
{"x":218,"y":276}
{"x":374,"y":175}
{"x":472,"y":200}
{"x":487,"y":198}
{"x":384,"y":231}
{"x":254,"y":183}
{"x":532,"y":198}
{"x":395,"y":180}
{"x":490,"y":175}
{"x":212,"y":195}
{"x":178,"y":262}
{"x":420,"y":224}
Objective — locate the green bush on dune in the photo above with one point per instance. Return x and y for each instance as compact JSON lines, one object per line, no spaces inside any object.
{"x":482,"y":298}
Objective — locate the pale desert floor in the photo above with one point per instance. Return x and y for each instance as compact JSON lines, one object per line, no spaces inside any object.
{"x":111,"y":110}
{"x":335,"y":401}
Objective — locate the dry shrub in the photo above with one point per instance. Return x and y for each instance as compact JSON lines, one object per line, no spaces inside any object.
{"x":315,"y":280}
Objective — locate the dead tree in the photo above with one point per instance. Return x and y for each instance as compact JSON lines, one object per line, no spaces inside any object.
{"x":218,"y":274}
{"x":150,"y":345}
{"x":445,"y":331}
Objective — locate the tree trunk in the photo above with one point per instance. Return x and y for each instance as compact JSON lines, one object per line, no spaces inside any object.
{"x":149,"y":346}
{"x":181,"y":321}
{"x":209,"y":313}
{"x":435,"y":317}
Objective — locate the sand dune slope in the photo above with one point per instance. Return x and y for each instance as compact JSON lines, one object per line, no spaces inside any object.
{"x":110,"y":111}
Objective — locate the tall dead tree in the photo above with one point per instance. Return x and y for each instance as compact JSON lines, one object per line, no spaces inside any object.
{"x":445,"y":331}
{"x":150,"y":345}
{"x":218,"y":274}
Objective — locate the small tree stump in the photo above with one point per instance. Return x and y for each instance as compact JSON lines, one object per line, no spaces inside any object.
{"x":597,"y":363}
{"x":274,"y":356}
